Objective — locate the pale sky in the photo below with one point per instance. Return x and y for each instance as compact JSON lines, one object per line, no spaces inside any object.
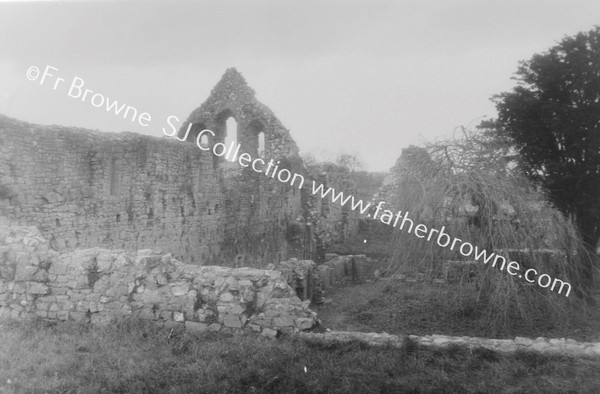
{"x":362,"y":77}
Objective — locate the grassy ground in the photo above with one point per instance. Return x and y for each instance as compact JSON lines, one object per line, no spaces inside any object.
{"x":133,"y":357}
{"x":423,"y":309}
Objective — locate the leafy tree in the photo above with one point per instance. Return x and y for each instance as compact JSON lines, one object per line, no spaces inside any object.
{"x":552,"y":117}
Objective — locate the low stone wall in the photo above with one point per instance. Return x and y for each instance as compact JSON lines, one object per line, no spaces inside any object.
{"x":342,"y":270}
{"x":311,"y":281}
{"x":562,"y":346}
{"x":301,"y":276}
{"x":97,"y":285}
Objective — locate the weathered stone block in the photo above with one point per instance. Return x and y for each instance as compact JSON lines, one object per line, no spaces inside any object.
{"x":59,"y":267}
{"x":523,"y":341}
{"x":77,"y":316}
{"x":305,"y":323}
{"x":20,"y":258}
{"x":195,"y":328}
{"x":104,"y":262}
{"x":178,"y":316}
{"x":161,"y":279}
{"x":52,"y":197}
{"x":269,"y":333}
{"x":99,"y":318}
{"x":226,"y":297}
{"x":39,"y":288}
{"x":62,"y":315}
{"x":41,"y":275}
{"x":284,"y":321}
{"x":180,"y":289}
{"x":232,"y":321}
{"x":166,"y":315}
{"x":25,"y":272}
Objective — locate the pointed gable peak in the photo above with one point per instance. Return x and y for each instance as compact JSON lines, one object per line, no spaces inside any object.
{"x":233,"y":82}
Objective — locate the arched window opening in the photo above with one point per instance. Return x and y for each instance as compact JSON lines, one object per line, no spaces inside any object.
{"x":204,"y":140}
{"x":231,"y":134}
{"x":257,"y":139}
{"x":261,"y":144}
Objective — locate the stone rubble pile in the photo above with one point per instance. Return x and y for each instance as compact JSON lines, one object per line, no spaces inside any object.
{"x":97,"y":285}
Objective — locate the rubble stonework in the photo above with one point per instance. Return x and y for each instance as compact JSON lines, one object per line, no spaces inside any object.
{"x":98,"y":284}
{"x":232,"y":97}
{"x":86,"y":188}
{"x":311,"y":281}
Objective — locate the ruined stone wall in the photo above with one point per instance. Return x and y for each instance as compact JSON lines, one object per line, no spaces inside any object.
{"x":270,"y":207}
{"x":83,"y":189}
{"x":313,"y":281}
{"x":97,"y":285}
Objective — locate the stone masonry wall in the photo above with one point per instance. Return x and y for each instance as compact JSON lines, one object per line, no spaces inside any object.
{"x":312,"y":281}
{"x":98,"y":284}
{"x":84,"y":189}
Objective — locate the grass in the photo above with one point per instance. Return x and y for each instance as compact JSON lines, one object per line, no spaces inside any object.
{"x":135,"y":357}
{"x":423,"y":309}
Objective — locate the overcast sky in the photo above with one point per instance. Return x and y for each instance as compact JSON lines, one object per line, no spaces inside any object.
{"x":363,"y":77}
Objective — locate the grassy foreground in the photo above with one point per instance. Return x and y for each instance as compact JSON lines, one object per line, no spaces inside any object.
{"x":402,"y":308}
{"x":135,"y":357}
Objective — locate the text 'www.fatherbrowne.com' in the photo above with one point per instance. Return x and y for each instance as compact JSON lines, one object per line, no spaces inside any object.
{"x":397,"y":220}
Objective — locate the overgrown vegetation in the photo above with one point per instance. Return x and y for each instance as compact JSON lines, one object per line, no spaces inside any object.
{"x":471,"y":187}
{"x":134,"y":357}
